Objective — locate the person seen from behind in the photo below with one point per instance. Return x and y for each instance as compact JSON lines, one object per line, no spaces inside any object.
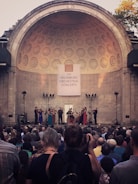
{"x":9,"y":163}
{"x":87,"y":168}
{"x":37,"y":169}
{"x":126,"y":172}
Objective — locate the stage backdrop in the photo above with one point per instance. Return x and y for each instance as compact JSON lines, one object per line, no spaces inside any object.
{"x":68,"y":80}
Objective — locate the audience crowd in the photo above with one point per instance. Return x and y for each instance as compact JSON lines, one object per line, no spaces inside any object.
{"x":31,"y":154}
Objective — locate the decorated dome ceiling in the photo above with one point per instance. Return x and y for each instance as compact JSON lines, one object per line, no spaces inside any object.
{"x":69,"y":37}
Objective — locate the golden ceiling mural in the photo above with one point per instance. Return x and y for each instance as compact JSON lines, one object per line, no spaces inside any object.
{"x":69,"y":37}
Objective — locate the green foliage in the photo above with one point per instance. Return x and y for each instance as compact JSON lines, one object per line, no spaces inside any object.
{"x":127,"y":13}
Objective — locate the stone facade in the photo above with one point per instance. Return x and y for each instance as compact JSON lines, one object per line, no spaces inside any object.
{"x":70,"y":32}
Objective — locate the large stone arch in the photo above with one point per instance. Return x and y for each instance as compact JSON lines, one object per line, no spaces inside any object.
{"x":113,"y":43}
{"x":79,"y":6}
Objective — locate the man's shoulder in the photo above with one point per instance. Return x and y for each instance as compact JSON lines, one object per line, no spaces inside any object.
{"x":133,"y":160}
{"x":72,"y":155}
{"x":123,"y":165}
{"x":6,"y":146}
{"x":100,"y":157}
{"x":97,"y":148}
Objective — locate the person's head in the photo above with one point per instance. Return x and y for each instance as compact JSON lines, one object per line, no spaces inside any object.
{"x":128,"y":132}
{"x":100,"y":141}
{"x":73,"y":136}
{"x":50,"y":138}
{"x":119,"y":140}
{"x":107,"y":164}
{"x":27,"y":137}
{"x":112,"y":143}
{"x":24,"y":158}
{"x":87,"y":130}
{"x":105,"y":149}
{"x":134,"y":137}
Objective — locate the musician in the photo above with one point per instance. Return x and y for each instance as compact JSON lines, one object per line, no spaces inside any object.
{"x":60,"y":113}
{"x":70,"y":117}
{"x":95,"y":116}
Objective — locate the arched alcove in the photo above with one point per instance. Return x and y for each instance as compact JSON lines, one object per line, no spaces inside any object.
{"x":70,"y":32}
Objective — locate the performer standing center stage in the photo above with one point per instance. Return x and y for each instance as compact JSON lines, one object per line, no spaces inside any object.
{"x":36,"y":115}
{"x":60,"y":113}
{"x":95,"y":115}
{"x":70,"y":117}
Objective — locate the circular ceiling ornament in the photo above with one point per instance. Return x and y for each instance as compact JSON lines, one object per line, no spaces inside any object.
{"x":25,"y":60}
{"x":48,"y":40}
{"x":89,"y":41}
{"x":57,"y":52}
{"x":113,"y":61}
{"x":36,"y":49}
{"x":69,"y":52}
{"x":69,"y":42}
{"x":55,"y":63}
{"x":97,"y":39}
{"x":68,"y":61}
{"x":44,"y":63}
{"x":59,"y":42}
{"x":92,"y":51}
{"x":40,"y":39}
{"x":101,"y":50}
{"x":109,"y":48}
{"x":33,"y":62}
{"x":93,"y":63}
{"x":80,"y":52}
{"x":27,"y":47}
{"x":104,"y":62}
{"x":82,"y":63}
{"x":46,"y":51}
{"x":79,"y":42}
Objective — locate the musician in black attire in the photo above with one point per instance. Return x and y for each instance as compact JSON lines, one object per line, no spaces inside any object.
{"x":60,"y":113}
{"x":95,"y":116}
{"x":36,"y":115}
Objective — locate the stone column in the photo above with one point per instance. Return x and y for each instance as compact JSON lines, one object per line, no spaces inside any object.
{"x":133,"y":102}
{"x":126,"y":100}
{"x":12,"y":95}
